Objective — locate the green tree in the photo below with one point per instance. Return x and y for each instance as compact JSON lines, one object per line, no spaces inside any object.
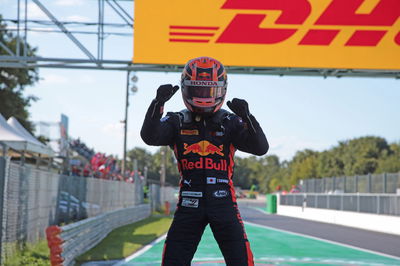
{"x":270,"y":169}
{"x":14,"y":80}
{"x":242,"y":171}
{"x":390,"y":161}
{"x":143,"y":157}
{"x":361,"y":155}
{"x":172,"y":174}
{"x":303,"y":166}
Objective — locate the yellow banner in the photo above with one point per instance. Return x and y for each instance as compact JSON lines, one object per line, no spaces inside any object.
{"x":360,"y":34}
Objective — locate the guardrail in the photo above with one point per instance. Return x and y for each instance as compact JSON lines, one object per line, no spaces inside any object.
{"x":386,"y":204}
{"x":69,"y":241}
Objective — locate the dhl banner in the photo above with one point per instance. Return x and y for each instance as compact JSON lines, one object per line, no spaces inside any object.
{"x":358,"y":34}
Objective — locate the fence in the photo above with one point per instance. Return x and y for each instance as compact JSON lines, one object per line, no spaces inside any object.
{"x":160,"y":195}
{"x":372,"y":183}
{"x":32,"y":199}
{"x":386,"y":204}
{"x":68,"y":242}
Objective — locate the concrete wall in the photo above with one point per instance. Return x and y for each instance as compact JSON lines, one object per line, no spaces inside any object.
{"x":373,"y":222}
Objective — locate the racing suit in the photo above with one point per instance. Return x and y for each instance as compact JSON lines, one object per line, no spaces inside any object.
{"x":204,"y":148}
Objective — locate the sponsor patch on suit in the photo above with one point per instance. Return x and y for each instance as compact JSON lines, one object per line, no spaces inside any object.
{"x":190,"y":203}
{"x":211,"y":180}
{"x":214,"y":180}
{"x":195,"y":194}
{"x":220,"y":193}
{"x":189,"y":132}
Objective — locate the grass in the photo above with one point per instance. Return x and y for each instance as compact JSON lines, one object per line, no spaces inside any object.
{"x":119,"y":244}
{"x":125,"y":240}
{"x":33,"y":255}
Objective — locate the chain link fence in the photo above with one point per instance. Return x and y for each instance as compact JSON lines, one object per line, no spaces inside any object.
{"x":385,"y":204}
{"x":160,"y":196}
{"x":32,"y":199}
{"x":372,"y":183}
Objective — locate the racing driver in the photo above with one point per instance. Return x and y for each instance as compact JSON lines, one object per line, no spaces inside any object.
{"x":204,"y":138}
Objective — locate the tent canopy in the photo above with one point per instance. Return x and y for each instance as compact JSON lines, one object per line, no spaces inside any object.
{"x":13,"y":135}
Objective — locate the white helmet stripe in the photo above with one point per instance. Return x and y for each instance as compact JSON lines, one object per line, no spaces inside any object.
{"x":204,"y":83}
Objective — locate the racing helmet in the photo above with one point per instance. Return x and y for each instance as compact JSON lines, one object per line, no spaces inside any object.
{"x":204,"y":83}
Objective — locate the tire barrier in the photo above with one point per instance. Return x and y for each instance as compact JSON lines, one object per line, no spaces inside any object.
{"x":69,"y":241}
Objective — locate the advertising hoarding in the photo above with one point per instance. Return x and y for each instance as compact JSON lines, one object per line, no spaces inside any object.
{"x":355,"y":34}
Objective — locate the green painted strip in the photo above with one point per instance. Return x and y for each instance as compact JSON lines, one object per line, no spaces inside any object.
{"x":273,"y":247}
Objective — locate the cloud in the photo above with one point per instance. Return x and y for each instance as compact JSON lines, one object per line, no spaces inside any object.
{"x":87,"y":79}
{"x":34,"y":12}
{"x":54,"y":79}
{"x":68,"y":2}
{"x":115,"y":130}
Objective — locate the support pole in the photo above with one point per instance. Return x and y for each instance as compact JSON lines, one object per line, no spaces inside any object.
{"x":125,"y":122}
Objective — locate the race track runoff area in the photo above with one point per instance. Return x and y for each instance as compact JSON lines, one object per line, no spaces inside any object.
{"x":273,"y":247}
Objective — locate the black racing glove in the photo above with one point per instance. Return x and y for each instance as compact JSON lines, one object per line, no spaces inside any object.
{"x":241,"y":108}
{"x":165,"y":92}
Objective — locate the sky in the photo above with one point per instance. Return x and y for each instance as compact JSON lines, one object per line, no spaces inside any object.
{"x":296,"y":113}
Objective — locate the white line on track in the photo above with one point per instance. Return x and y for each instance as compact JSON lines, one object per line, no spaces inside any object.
{"x":141,"y":251}
{"x":321,"y":239}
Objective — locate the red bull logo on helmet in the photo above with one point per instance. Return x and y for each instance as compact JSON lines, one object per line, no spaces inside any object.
{"x":203,"y":148}
{"x":204,"y":76}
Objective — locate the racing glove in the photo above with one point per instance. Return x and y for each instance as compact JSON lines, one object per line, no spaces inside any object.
{"x":241,"y":108}
{"x":164,"y":93}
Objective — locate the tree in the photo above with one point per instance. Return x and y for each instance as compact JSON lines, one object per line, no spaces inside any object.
{"x":172,"y":174}
{"x":303,"y":165}
{"x":390,"y":161}
{"x":242,"y":171}
{"x":143,"y":157}
{"x":14,"y":80}
{"x":361,"y":155}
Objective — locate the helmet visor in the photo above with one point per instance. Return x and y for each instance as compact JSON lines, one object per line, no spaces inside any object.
{"x":203,"y":89}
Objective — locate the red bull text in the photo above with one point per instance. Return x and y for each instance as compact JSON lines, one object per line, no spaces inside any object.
{"x":204,"y":163}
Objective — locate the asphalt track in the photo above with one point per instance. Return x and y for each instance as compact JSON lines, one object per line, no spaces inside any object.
{"x":280,"y":240}
{"x":364,"y":239}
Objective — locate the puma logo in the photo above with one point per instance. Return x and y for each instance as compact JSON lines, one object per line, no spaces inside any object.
{"x":187,"y":182}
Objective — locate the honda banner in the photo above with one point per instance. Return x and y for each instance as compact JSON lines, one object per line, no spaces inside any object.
{"x":359,"y":34}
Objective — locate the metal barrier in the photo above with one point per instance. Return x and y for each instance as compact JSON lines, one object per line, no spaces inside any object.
{"x":386,"y":204}
{"x":32,"y":199}
{"x":372,"y":183}
{"x":68,"y":242}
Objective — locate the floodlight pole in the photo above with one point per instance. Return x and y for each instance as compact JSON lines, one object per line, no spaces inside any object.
{"x":123,"y":167}
{"x":130,"y":85}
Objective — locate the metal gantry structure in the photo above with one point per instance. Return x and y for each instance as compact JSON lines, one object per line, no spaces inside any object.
{"x":95,"y":60}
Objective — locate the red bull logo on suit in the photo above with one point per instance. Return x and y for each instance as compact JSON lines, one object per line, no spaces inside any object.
{"x":203,"y":148}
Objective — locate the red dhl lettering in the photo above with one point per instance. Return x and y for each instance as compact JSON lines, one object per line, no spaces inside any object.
{"x":245,"y":28}
{"x":204,"y":163}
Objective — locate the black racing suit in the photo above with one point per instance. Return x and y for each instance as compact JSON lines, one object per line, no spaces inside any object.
{"x":204,"y":148}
